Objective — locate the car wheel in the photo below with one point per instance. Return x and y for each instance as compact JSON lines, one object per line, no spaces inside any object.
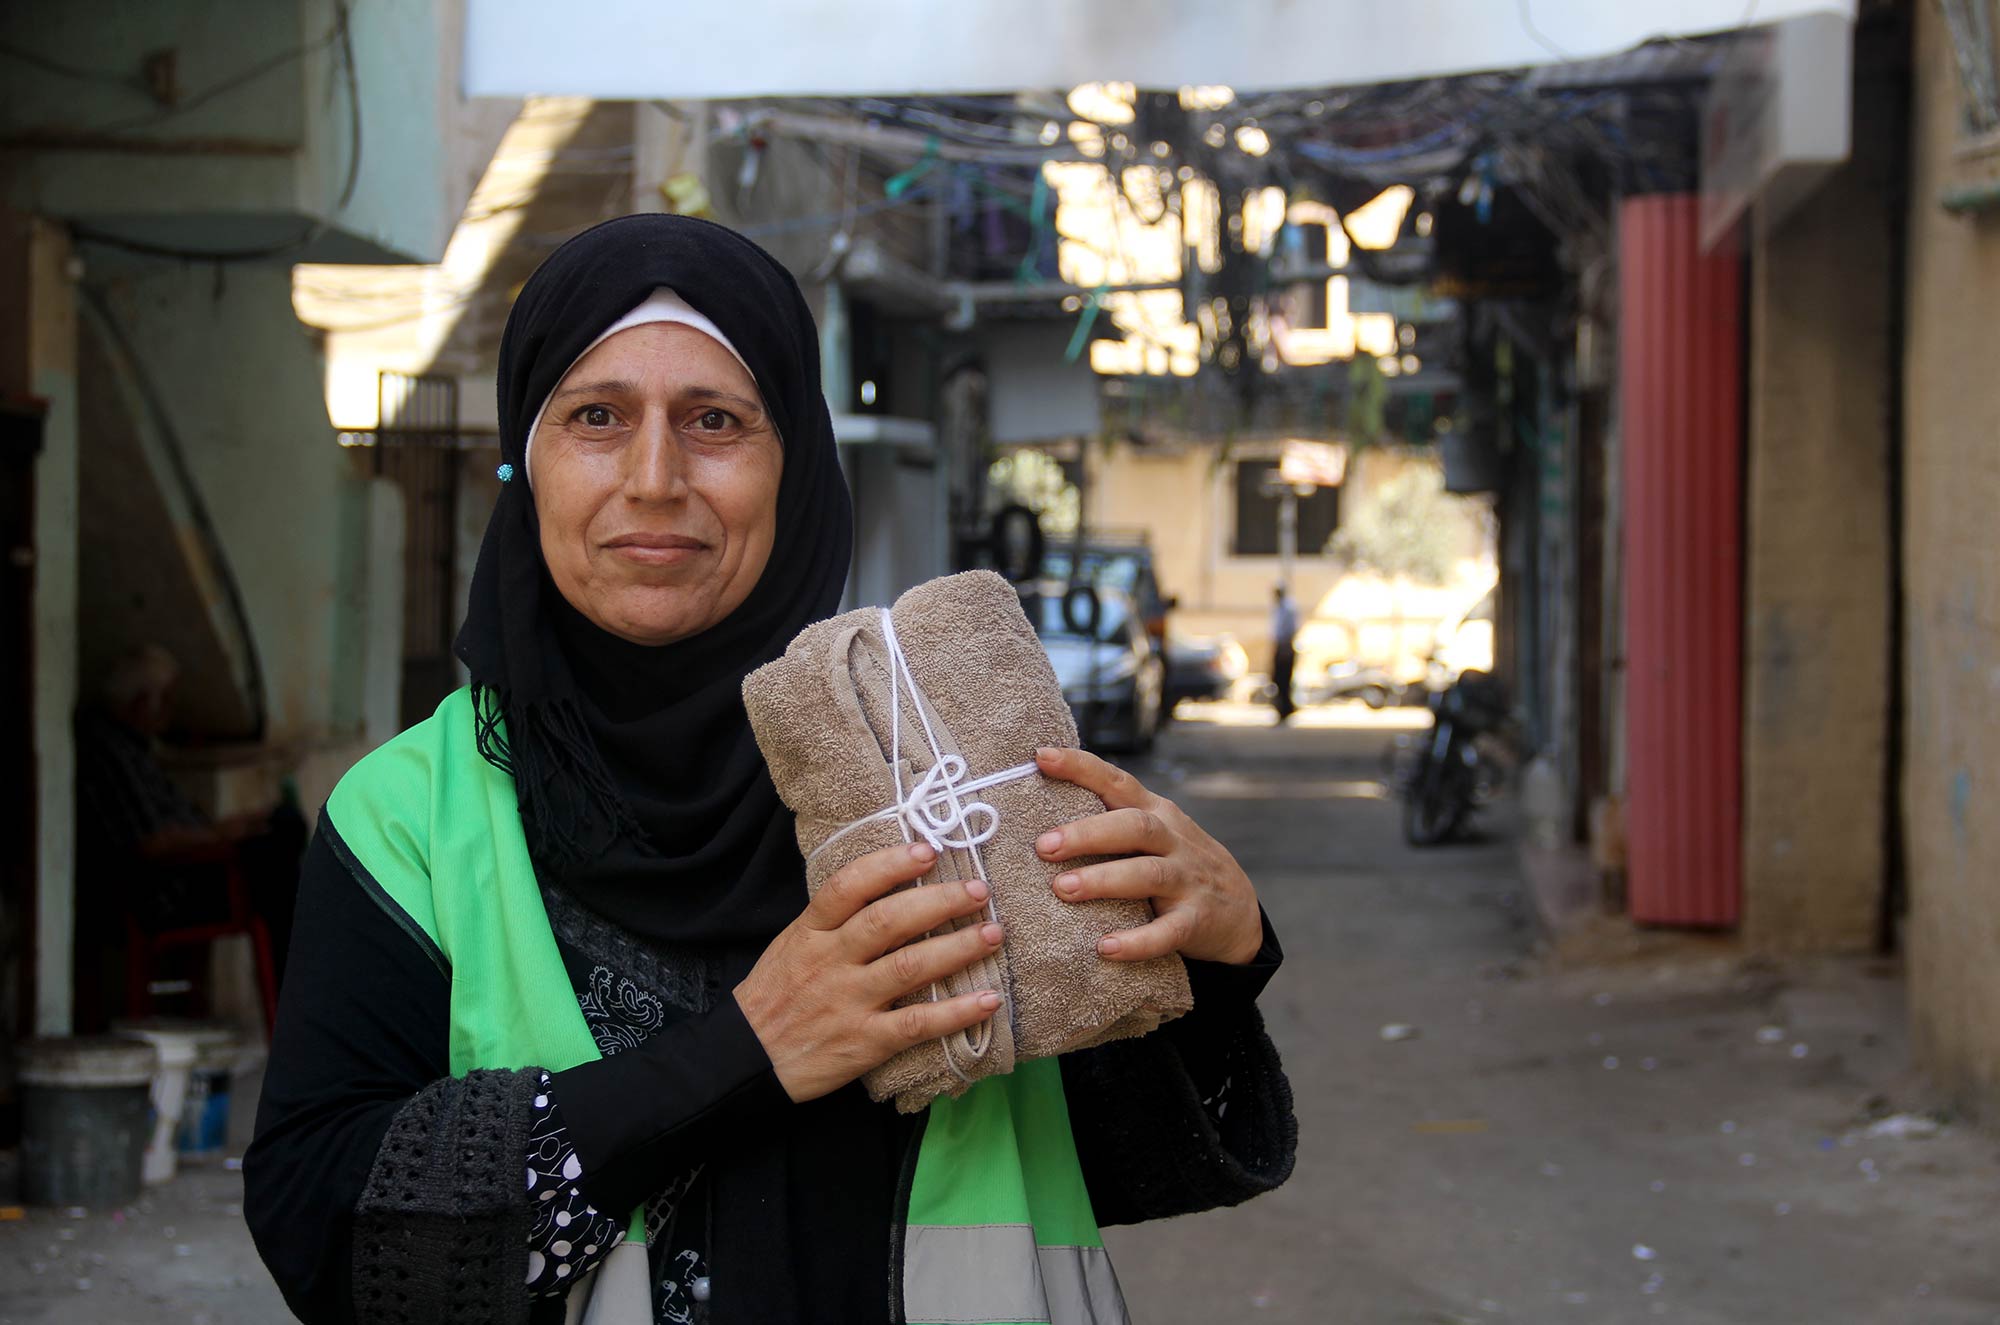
{"x":1145,"y":726}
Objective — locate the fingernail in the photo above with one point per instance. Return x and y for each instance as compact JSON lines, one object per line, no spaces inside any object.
{"x":989,"y":1000}
{"x":1067,"y":884}
{"x":1108,"y":944}
{"x":922,"y":851}
{"x":1047,"y":755}
{"x":990,"y":932}
{"x":1048,"y":842}
{"x":976,"y":889}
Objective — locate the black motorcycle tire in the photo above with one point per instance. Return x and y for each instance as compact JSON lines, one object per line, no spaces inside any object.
{"x":1434,"y":805}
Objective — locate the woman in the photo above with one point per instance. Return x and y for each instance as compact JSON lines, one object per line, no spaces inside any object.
{"x":560,"y":928}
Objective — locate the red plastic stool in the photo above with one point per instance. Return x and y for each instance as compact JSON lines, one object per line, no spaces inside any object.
{"x":144,"y":947}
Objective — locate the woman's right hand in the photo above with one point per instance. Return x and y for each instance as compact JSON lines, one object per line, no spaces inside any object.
{"x":822,"y":997}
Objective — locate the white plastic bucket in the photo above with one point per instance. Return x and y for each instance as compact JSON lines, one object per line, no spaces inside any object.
{"x":180,"y":1044}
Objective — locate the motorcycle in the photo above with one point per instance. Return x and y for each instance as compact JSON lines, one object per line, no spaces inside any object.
{"x":1372,"y":685}
{"x":1451,"y":775}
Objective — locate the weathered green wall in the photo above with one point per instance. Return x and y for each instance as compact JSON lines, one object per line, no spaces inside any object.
{"x":238,"y":161}
{"x":238,"y":381}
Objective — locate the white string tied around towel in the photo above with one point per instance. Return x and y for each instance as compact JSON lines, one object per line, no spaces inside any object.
{"x":937,"y":809}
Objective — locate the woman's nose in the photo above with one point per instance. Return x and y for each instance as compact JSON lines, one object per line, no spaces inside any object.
{"x":655,"y":470}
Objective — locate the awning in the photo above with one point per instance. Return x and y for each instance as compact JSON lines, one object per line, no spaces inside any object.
{"x":638,"y":49}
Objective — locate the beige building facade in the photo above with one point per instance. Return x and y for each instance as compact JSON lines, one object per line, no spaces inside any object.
{"x":1185,"y":498}
{"x":1951,"y":584}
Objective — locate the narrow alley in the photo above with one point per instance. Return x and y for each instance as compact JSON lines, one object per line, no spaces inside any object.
{"x":1613,"y":1140}
{"x":1623,"y":1137}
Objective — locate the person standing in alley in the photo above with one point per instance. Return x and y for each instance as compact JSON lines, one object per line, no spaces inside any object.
{"x":1284,"y":630}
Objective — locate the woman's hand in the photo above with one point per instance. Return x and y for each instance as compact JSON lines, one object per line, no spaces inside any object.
{"x":1204,"y":905}
{"x":820,"y":998}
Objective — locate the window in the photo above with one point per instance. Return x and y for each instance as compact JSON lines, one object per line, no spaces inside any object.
{"x":1256,"y":532}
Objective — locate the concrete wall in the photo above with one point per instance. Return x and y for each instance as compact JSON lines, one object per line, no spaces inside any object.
{"x":423,"y":143}
{"x":1817,"y":529}
{"x":1952,"y":602}
{"x":1035,"y":395}
{"x":239,"y":383}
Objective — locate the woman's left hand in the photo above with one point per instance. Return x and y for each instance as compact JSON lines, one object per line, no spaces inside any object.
{"x":1204,"y":904}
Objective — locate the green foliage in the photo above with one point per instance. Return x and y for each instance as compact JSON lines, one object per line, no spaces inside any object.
{"x":1366,"y":402}
{"x":1409,"y":526}
{"x":1036,"y":480}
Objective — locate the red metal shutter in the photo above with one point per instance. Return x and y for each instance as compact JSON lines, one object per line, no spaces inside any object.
{"x":1680,"y":381}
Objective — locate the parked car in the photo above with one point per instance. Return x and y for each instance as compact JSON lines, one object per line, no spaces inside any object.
{"x":1203,"y":667}
{"x":1125,"y":564}
{"x":1112,"y":676}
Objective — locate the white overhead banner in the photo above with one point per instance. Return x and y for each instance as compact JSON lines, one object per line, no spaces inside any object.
{"x":637,"y":49}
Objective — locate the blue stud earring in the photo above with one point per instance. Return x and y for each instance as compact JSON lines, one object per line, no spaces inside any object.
{"x":505,"y":473}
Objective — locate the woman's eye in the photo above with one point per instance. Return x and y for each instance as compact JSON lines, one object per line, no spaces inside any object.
{"x":594,"y":416}
{"x":714,"y":420}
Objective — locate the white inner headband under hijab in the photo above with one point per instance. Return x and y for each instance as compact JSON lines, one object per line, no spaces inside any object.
{"x":662,"y":305}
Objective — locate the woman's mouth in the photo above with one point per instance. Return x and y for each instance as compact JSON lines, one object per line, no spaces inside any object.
{"x":656,"y":549}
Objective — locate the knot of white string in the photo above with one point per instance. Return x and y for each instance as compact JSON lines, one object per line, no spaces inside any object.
{"x":935,"y":811}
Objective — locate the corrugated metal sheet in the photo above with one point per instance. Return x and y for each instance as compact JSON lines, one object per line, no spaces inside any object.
{"x":1681,"y":420}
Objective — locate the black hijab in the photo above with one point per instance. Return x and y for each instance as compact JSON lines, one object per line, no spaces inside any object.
{"x":641,"y":788}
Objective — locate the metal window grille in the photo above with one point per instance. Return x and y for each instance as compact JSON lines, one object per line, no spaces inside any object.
{"x":1972,"y":24}
{"x":416,"y":446}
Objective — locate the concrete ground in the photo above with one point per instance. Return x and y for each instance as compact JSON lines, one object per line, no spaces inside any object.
{"x":1602,"y":1139}
{"x":1599,"y":1139}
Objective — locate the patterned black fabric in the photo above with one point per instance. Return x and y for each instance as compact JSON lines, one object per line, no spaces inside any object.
{"x":678,"y":977}
{"x":628,"y":991}
{"x":441,"y":1223}
{"x":570,"y":1236}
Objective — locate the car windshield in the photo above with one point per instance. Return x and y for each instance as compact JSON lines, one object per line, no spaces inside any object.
{"x":1120,"y":570}
{"x":1047,"y":614}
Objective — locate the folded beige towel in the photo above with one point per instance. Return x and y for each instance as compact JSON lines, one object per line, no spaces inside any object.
{"x":827,"y":716}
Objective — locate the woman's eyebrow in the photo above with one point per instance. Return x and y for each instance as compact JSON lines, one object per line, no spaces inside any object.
{"x":609,"y":386}
{"x":725,"y":397}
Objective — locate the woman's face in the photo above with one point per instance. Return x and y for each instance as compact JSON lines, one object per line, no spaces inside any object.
{"x":655,"y":471}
